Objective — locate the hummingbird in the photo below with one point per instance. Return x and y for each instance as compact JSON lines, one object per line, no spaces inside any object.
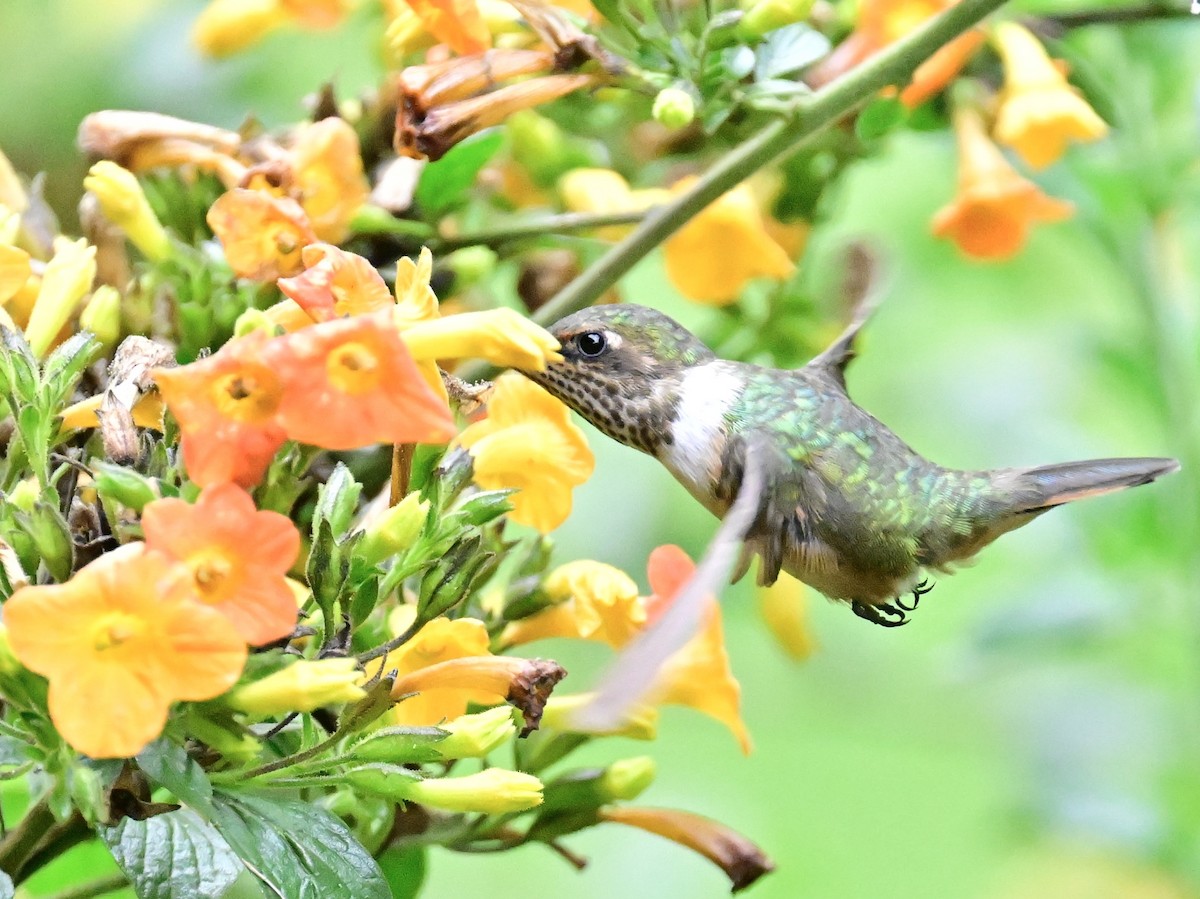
{"x":845,"y":505}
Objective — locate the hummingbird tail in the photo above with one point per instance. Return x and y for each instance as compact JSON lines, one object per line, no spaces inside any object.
{"x":1052,"y":485}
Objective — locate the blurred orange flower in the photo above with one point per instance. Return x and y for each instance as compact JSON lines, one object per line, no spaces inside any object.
{"x":528,"y":442}
{"x":456,"y":23}
{"x":712,"y":257}
{"x":226,"y":407}
{"x":882,"y":22}
{"x":995,"y":207}
{"x":440,"y":640}
{"x":119,"y":642}
{"x":328,"y":172}
{"x":238,"y":556}
{"x":352,"y":382}
{"x":592,"y":601}
{"x":1039,"y":111}
{"x":227,"y":26}
{"x":263,"y":235}
{"x":698,"y":675}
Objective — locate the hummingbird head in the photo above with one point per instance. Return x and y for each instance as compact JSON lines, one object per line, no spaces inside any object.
{"x":621,"y":368}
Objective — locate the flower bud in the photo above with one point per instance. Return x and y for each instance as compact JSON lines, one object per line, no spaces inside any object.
{"x":124,"y":203}
{"x":67,"y":279}
{"x":767,"y":15}
{"x":639,"y":723}
{"x":395,"y":530}
{"x":102,"y":315}
{"x":593,"y":787}
{"x":626,"y":779}
{"x":474,"y":736}
{"x":301,"y":687}
{"x":471,"y":265}
{"x":52,"y":537}
{"x":493,"y":791}
{"x":254,"y":320}
{"x":125,"y":485}
{"x":674,"y":107}
{"x":401,"y":745}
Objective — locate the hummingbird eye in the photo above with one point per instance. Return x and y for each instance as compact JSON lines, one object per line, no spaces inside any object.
{"x":591,"y":343}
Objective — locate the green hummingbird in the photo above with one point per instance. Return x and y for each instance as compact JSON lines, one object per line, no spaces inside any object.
{"x":846,"y":506}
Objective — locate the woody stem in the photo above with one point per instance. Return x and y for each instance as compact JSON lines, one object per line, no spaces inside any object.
{"x":892,"y":65}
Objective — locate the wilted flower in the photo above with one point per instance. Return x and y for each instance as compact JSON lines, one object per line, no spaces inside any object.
{"x":119,"y":642}
{"x":528,"y":442}
{"x":742,"y":861}
{"x":1039,"y":112}
{"x":995,"y":207}
{"x":140,"y":141}
{"x":263,"y":235}
{"x":239,"y":557}
{"x":124,"y":203}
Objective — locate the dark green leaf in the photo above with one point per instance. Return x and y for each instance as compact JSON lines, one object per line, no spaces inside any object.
{"x":173,"y":856}
{"x":169,"y":766}
{"x":405,"y":870}
{"x":787,"y":50}
{"x":879,"y":117}
{"x":444,"y":184}
{"x":299,"y":850}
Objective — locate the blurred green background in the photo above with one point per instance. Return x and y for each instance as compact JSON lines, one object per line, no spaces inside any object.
{"x":1036,"y":730}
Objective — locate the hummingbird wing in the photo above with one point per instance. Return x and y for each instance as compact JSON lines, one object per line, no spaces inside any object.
{"x":862,"y":291}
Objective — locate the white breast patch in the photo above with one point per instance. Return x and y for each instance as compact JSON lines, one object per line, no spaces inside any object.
{"x":694,"y":455}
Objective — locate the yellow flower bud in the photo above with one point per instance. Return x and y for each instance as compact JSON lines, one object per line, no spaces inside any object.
{"x":639,"y":723}
{"x":124,"y":203}
{"x":67,"y":279}
{"x":493,"y":791}
{"x":627,"y":779}
{"x":301,"y":687}
{"x":474,"y":736}
{"x":674,"y":107}
{"x":395,"y":530}
{"x":102,"y":315}
{"x":767,"y":15}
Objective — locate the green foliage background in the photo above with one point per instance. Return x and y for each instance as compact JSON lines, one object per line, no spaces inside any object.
{"x":1036,"y":730}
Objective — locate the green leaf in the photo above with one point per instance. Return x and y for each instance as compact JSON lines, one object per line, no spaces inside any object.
{"x":300,"y":851}
{"x":168,"y":765}
{"x":405,"y":870}
{"x":787,"y":50}
{"x":173,"y":856}
{"x":444,"y":184}
{"x":64,"y":366}
{"x":879,"y":117}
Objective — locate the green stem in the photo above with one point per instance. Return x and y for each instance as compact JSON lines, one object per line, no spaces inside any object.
{"x":1120,"y":15}
{"x":543,"y":226}
{"x":21,"y":842}
{"x":891,"y":65}
{"x":99,"y":887}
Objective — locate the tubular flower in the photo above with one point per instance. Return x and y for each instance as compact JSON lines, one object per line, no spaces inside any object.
{"x":120,"y":642}
{"x":263,"y":235}
{"x":334,"y":284}
{"x":456,"y":23}
{"x":124,"y":203}
{"x":882,"y":22}
{"x":698,"y":675}
{"x":529,"y":443}
{"x":238,"y":556}
{"x":140,"y":141}
{"x":1039,"y":111}
{"x":742,"y":861}
{"x":783,"y":607}
{"x":66,"y":281}
{"x":713,"y":256}
{"x":328,"y":171}
{"x":492,"y":791}
{"x":351,"y":382}
{"x":640,"y":722}
{"x":475,"y":736}
{"x":226,"y":407}
{"x":995,"y":207}
{"x":440,"y":640}
{"x":300,"y":687}
{"x":592,"y":601}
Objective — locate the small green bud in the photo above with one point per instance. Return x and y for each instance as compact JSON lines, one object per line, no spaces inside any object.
{"x":674,"y":107}
{"x":627,"y":778}
{"x":485,"y":506}
{"x":125,"y":485}
{"x":52,"y":537}
{"x":472,"y":264}
{"x":253,"y":320}
{"x":395,"y":530}
{"x":588,"y":788}
{"x":24,"y":495}
{"x":763,"y":16}
{"x":102,"y":315}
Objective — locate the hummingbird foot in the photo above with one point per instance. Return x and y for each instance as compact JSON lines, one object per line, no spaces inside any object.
{"x":885,"y":614}
{"x":917,"y":592}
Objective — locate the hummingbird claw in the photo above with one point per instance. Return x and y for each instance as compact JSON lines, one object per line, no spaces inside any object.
{"x":885,"y":615}
{"x":917,"y":592}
